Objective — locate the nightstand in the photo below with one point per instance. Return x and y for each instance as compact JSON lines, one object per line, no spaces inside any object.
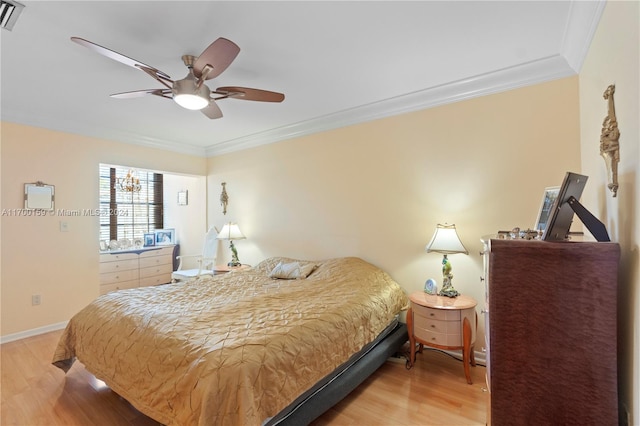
{"x":223,"y":269}
{"x":443,"y":323}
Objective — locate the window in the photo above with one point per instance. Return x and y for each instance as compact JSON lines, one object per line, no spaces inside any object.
{"x":129,"y":214}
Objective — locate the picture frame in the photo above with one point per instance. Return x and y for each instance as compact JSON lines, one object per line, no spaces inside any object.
{"x":183,"y":198}
{"x":548,"y":199}
{"x":165,"y":237}
{"x":150,"y":239}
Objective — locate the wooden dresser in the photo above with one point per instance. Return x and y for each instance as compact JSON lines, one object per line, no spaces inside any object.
{"x":135,"y":268}
{"x":551,"y":332}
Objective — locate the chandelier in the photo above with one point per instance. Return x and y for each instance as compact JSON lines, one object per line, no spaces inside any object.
{"x":130,"y":183}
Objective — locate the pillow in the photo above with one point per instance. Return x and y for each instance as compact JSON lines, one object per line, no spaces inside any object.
{"x":292,"y":271}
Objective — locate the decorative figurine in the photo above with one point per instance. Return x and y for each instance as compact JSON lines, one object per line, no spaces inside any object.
{"x":224,"y":198}
{"x":447,"y":276}
{"x":609,"y":145}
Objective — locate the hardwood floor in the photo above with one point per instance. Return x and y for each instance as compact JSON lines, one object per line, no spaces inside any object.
{"x":433,"y":392}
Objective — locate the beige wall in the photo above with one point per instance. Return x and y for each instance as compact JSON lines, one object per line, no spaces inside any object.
{"x":614,"y":59}
{"x":377,"y":190}
{"x":190,"y":221}
{"x":36,"y":257}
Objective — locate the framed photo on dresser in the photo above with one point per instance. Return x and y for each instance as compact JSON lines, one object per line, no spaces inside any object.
{"x":165,"y":237}
{"x":548,"y":198}
{"x":150,"y":239}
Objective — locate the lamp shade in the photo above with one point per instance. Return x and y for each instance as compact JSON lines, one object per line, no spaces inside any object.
{"x":445,"y":240}
{"x":230,"y":231}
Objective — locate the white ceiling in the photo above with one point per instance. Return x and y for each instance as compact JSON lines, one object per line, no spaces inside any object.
{"x":338,"y":63}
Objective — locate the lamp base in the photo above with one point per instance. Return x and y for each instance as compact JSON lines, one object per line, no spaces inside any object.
{"x":235,"y":262}
{"x":451,"y":292}
{"x":447,"y":287}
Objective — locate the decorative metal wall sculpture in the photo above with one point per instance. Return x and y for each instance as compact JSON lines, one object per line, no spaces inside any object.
{"x":224,"y":198}
{"x":609,"y":145}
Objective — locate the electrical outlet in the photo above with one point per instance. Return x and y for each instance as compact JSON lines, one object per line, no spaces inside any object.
{"x":36,"y":299}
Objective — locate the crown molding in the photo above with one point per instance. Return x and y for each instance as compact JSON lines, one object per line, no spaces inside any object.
{"x":522,"y":75}
{"x":581,"y":27}
{"x":98,"y":131}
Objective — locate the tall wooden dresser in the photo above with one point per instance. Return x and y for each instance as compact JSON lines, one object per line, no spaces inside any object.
{"x":551,"y":332}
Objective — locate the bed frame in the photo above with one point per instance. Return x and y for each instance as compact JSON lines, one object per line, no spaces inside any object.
{"x":333,"y":388}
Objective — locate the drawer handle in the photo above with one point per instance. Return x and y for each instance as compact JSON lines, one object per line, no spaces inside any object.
{"x":433,"y":326}
{"x":432,"y":314}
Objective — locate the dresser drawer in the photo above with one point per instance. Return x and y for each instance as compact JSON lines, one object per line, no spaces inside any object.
{"x":164,"y":251}
{"x":122,"y":265}
{"x":437,"y":314}
{"x":116,"y":257}
{"x":146,"y":262}
{"x":436,"y":326}
{"x":119,"y":276}
{"x":106,"y":288}
{"x":155,"y":280}
{"x":156,"y":270}
{"x":441,"y":339}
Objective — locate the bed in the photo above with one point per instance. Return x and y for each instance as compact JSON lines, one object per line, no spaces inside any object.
{"x":245,"y":348}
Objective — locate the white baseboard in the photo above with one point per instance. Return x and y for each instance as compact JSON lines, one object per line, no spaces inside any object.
{"x":33,"y":332}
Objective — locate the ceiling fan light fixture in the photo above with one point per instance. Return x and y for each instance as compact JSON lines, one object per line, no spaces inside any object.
{"x":192,"y":102}
{"x":188,"y":95}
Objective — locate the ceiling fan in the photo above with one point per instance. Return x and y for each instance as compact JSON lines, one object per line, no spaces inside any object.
{"x":191,"y":92}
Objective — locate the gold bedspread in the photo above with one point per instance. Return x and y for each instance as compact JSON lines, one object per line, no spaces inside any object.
{"x":230,"y":349}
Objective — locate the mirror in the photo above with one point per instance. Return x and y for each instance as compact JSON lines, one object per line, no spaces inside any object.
{"x":38,"y":196}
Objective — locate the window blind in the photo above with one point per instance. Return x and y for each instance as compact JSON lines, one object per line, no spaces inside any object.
{"x":129,"y":214}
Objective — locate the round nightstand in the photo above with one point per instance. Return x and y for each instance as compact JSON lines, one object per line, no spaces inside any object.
{"x":223,"y":269}
{"x":443,"y":323}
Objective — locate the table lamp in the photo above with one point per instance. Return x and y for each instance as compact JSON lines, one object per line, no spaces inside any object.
{"x":230,"y":231}
{"x":446,"y":241}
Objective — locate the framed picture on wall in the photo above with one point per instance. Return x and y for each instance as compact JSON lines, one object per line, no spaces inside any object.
{"x":183,"y":198}
{"x":548,"y":198}
{"x":165,"y":237}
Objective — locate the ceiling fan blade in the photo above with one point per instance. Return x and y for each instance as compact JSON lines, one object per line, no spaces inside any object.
{"x":165,"y":93}
{"x":218,"y":55}
{"x":212,"y":111}
{"x":249,"y":94}
{"x":116,"y":56}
